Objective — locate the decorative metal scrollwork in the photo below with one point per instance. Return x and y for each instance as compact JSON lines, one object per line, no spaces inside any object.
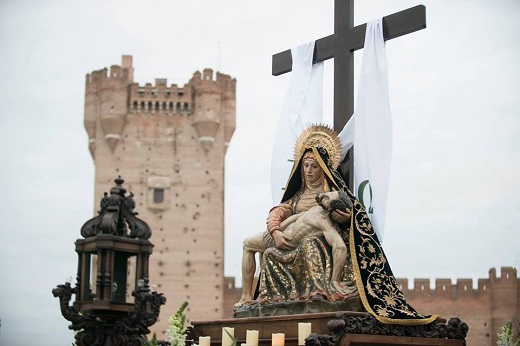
{"x":347,"y":323}
{"x":129,"y":330}
{"x":117,"y":216}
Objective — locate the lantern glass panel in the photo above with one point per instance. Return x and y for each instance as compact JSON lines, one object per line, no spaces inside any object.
{"x":131,"y":278}
{"x":124,"y":277}
{"x":89,"y":279}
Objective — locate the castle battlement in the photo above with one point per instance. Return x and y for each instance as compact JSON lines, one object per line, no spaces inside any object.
{"x":462,"y":287}
{"x":116,"y":73}
{"x":508,"y":275}
{"x":226,"y":82}
{"x":112,"y":98}
{"x":159,"y":90}
{"x":208,"y":82}
{"x":160,"y":98}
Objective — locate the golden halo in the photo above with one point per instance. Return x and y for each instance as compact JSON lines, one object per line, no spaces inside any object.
{"x":319,"y":135}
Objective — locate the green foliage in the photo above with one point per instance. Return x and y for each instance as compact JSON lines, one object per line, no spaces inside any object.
{"x":176,"y":332}
{"x":505,"y":337}
{"x":152,"y":342}
{"x":234,"y":341}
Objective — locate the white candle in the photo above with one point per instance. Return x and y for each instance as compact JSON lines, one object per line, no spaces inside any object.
{"x":278,"y":339}
{"x":252,"y":337}
{"x":227,"y":339}
{"x":304,"y":330}
{"x":204,"y":340}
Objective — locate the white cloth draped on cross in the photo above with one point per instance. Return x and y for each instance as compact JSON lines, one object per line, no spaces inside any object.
{"x":370,"y":127}
{"x":302,"y":107}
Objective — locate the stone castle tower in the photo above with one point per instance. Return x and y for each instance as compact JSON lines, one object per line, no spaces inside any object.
{"x":169,"y":144}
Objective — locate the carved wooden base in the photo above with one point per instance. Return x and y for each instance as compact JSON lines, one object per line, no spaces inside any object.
{"x":331,"y":329}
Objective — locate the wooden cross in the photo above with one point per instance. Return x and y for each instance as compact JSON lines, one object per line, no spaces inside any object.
{"x":341,"y":46}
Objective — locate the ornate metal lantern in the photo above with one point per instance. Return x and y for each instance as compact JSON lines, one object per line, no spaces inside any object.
{"x":113,"y":260}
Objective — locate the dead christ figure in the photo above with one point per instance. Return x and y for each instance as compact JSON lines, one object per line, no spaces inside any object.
{"x":315,"y":222}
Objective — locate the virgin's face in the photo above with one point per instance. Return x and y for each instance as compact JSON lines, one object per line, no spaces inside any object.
{"x":311,"y":171}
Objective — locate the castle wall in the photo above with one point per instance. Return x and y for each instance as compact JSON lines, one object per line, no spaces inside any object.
{"x":485,"y":309}
{"x":171,"y":157}
{"x":231,"y":296}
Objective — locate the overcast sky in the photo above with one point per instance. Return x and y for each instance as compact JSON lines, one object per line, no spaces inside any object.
{"x":453,"y":208}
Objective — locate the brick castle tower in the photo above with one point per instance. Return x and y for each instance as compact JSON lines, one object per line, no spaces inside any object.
{"x":168,"y":143}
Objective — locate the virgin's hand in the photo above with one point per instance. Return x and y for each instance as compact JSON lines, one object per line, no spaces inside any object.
{"x":341,"y":216}
{"x":281,"y":241}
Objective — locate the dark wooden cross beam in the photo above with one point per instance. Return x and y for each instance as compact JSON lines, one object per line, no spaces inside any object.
{"x":341,"y":46}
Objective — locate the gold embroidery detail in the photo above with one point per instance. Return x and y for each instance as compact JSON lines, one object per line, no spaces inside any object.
{"x":378,"y":284}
